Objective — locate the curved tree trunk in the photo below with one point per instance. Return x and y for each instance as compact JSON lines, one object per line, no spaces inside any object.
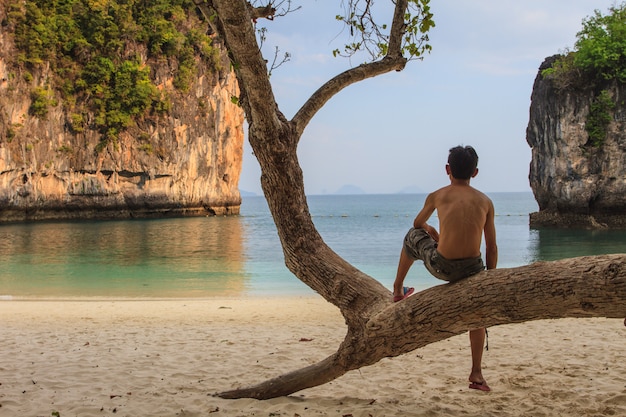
{"x":376,"y":327}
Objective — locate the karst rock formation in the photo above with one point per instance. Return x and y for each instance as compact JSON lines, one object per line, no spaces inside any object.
{"x":576,"y":182}
{"x":186,"y":162}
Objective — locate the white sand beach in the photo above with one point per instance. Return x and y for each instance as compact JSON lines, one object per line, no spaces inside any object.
{"x":168,"y":358}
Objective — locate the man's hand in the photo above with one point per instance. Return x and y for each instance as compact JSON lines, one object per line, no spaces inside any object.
{"x":432,"y":232}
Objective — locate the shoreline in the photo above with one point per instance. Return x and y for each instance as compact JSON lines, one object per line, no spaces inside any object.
{"x":169,"y":358}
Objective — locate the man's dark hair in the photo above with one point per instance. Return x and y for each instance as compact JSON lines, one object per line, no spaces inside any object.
{"x":463,"y":162}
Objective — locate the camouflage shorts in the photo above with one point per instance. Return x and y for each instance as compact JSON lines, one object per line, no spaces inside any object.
{"x":419,"y":245}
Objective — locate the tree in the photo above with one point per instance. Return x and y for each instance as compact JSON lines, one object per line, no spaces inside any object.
{"x":600,"y":45}
{"x":376,"y":328}
{"x":599,"y":54}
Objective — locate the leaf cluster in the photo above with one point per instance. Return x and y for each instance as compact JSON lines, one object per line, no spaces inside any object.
{"x":372,"y":37}
{"x":601,"y":44}
{"x":599,"y":53}
{"x":92,"y":47}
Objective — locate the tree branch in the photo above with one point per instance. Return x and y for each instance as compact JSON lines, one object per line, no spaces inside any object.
{"x":397,"y":29}
{"x":266,"y":12}
{"x":392,"y":61}
{"x":588,"y":286}
{"x":338,"y":83}
{"x":234,"y":23}
{"x":311,"y":376}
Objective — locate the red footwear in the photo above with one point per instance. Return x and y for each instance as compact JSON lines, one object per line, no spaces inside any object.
{"x":481,"y":386}
{"x":406,"y":291}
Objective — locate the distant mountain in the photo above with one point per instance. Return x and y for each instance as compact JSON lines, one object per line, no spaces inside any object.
{"x":244,"y":193}
{"x":411,"y":189}
{"x":350,"y":190}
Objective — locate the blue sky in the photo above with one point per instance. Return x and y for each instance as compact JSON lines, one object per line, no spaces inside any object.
{"x":392,"y":133}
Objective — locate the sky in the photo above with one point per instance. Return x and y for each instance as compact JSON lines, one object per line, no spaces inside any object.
{"x":392,"y":133}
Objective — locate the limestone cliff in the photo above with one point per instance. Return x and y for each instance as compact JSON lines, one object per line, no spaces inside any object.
{"x":576,"y":182}
{"x":186,"y":162}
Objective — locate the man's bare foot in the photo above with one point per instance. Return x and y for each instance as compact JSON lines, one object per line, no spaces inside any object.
{"x":482,"y":386}
{"x":477,"y":381}
{"x":406,"y":291}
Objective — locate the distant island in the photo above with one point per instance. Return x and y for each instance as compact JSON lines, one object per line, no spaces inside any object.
{"x":350,"y":189}
{"x":244,"y":193}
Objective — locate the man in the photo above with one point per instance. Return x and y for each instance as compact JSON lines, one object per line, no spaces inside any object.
{"x":453,"y":253}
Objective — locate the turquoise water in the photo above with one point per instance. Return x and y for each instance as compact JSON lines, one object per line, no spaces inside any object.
{"x":241,"y":255}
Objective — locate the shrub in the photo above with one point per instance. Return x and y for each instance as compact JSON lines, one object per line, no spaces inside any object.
{"x":599,"y":53}
{"x":41,"y":99}
{"x":601,"y":44}
{"x":600,"y":115}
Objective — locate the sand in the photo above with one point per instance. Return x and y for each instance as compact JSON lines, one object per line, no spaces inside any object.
{"x":169,"y":358}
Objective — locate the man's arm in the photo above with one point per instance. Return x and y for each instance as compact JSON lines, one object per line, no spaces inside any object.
{"x":491,"y":248}
{"x":424,"y":215}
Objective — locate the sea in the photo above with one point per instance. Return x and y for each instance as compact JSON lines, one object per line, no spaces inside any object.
{"x":241,"y":256}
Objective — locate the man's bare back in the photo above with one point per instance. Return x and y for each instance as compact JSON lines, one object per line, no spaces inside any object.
{"x":462,"y":211}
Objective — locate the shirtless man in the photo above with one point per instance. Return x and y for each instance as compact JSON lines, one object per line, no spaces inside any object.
{"x":453,"y":253}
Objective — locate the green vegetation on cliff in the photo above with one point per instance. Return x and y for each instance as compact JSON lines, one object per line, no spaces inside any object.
{"x":599,"y":53}
{"x":600,"y":115}
{"x":97,"y":52}
{"x":598,"y":58}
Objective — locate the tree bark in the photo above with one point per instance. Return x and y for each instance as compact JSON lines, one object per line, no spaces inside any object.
{"x":376,"y":327}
